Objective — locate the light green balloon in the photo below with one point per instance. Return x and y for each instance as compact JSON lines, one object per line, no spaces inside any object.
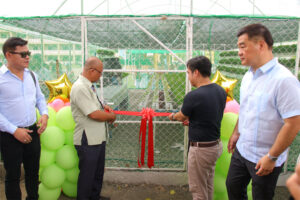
{"x":249,"y":194}
{"x":66,"y":157}
{"x":48,"y":194}
{"x":223,"y":163}
{"x":219,"y":184}
{"x":227,"y":125}
{"x":40,"y":173}
{"x":53,"y":176}
{"x":38,"y":116}
{"x":53,"y":138}
{"x":52,"y":116}
{"x":64,"y":118}
{"x":72,"y":175}
{"x":69,"y":137}
{"x":69,"y":189}
{"x":47,"y":157}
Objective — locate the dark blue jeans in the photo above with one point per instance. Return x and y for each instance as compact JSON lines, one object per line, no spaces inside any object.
{"x":14,"y":153}
{"x":241,"y":171}
{"x":91,"y":166}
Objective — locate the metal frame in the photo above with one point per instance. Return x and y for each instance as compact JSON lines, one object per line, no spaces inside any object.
{"x":189,"y":50}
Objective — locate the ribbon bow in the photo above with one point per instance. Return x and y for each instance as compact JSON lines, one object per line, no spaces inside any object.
{"x":147,"y":114}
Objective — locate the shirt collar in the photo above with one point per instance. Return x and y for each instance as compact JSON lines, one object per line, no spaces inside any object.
{"x":266,"y":67}
{"x":85,"y":80}
{"x":4,"y":69}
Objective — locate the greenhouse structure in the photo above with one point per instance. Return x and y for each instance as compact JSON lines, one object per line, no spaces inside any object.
{"x":144,"y":66}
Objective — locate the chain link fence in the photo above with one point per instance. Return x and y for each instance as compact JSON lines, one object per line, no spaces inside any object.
{"x":144,"y":66}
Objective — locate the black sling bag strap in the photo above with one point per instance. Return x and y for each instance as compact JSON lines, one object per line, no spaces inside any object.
{"x":33,"y":77}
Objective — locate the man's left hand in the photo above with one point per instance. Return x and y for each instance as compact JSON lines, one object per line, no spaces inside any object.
{"x":264,"y":166}
{"x":42,"y":124}
{"x":107,"y":108}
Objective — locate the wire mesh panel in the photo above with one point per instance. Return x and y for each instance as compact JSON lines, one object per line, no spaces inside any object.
{"x":135,"y":77}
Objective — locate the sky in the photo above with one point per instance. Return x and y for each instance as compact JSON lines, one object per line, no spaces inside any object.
{"x":17,"y":8}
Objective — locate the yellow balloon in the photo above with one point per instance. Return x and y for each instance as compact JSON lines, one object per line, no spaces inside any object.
{"x":60,"y":86}
{"x":226,"y":83}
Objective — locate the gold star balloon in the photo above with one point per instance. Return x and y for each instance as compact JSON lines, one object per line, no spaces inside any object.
{"x":59,"y":87}
{"x":226,"y":83}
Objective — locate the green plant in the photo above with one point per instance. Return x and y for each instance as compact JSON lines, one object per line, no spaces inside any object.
{"x":228,"y":53}
{"x":231,"y":61}
{"x":105,"y":53}
{"x":285,"y":49}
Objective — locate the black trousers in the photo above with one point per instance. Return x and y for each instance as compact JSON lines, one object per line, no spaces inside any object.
{"x":14,"y":153}
{"x":241,"y":171}
{"x":91,"y":167}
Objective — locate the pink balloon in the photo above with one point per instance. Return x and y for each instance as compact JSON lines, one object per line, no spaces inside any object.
{"x":232,"y":106}
{"x":57,"y":104}
{"x":67,"y":104}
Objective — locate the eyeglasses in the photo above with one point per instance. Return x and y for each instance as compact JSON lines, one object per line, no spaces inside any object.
{"x":96,"y":70}
{"x":23,"y":54}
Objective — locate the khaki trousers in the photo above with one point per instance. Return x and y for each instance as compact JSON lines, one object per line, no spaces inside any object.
{"x":201,"y":170}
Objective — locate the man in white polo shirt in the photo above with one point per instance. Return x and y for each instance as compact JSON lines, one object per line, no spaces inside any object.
{"x":269,"y":117}
{"x":90,"y":116}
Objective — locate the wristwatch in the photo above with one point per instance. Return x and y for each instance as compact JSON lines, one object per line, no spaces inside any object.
{"x":173,"y":119}
{"x":273,"y":158}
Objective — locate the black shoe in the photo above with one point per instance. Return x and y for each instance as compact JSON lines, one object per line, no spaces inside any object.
{"x":104,"y":198}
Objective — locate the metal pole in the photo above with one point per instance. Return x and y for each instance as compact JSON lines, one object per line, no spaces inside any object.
{"x":82,"y":41}
{"x":81,"y":7}
{"x":157,"y":40}
{"x":61,"y":5}
{"x":297,"y":53}
{"x":191,"y":11}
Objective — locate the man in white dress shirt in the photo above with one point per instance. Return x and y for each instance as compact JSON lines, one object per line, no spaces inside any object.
{"x":269,"y":117}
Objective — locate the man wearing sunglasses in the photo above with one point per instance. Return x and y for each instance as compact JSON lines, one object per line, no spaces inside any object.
{"x":20,"y":94}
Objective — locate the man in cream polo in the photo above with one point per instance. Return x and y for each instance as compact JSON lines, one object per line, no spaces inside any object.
{"x":90,"y":116}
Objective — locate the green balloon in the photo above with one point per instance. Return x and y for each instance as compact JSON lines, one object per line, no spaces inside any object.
{"x":48,"y":194}
{"x":53,"y":138}
{"x":223,"y":163}
{"x":40,"y":173}
{"x":249,"y":194}
{"x":64,"y":118}
{"x":219,"y":184}
{"x":227,"y":125}
{"x":66,"y":157}
{"x":52,"y":116}
{"x":38,"y":116}
{"x":69,"y":137}
{"x":69,"y":189}
{"x":47,"y":157}
{"x":53,"y":176}
{"x":72,"y":175}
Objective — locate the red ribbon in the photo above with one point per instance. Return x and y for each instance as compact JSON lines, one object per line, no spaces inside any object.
{"x":147,"y":115}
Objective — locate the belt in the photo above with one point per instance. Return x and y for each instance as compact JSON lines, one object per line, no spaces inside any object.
{"x":204,"y":144}
{"x":30,"y":127}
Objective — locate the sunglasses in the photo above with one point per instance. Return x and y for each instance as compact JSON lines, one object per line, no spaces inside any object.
{"x":23,"y":54}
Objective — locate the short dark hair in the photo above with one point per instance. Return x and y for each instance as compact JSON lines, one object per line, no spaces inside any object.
{"x":200,"y":63}
{"x":11,"y":43}
{"x":257,"y":30}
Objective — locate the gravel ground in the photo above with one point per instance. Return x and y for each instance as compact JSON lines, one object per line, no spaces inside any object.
{"x":145,"y":192}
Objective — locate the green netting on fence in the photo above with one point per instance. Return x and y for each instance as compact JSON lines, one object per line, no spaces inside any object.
{"x":137,"y":45}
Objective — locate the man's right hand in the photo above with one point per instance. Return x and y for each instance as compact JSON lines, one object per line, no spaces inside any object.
{"x":232,"y":142}
{"x":114,"y":116}
{"x":22,"y":135}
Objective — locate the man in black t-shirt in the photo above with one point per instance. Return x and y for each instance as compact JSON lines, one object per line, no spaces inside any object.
{"x":203,"y":108}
